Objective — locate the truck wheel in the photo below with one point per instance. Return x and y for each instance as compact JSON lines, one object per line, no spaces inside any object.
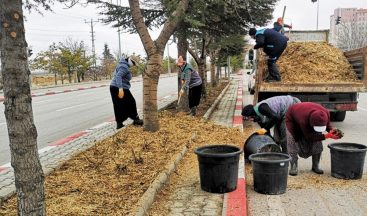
{"x":338,"y":116}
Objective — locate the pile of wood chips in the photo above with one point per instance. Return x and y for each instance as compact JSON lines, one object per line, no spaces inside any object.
{"x":314,"y":62}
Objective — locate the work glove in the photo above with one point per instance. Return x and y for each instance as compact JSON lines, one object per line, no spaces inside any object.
{"x":331,"y":135}
{"x":121,"y":93}
{"x":261,"y":131}
{"x":337,"y":132}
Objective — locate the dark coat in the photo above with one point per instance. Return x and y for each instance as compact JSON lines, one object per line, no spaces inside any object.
{"x":271,"y":41}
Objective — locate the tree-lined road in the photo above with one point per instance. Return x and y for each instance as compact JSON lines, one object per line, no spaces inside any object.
{"x":60,"y":115}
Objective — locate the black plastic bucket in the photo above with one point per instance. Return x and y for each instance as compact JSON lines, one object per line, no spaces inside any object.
{"x":347,"y":160}
{"x":260,"y":143}
{"x":270,"y":172}
{"x":218,"y":166}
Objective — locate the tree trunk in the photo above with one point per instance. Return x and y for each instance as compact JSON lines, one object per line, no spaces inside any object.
{"x":69,"y":76}
{"x":55,"y":79}
{"x":218,"y":73}
{"x":202,"y":72}
{"x":29,"y":177}
{"x":213,"y":80}
{"x":150,"y":80}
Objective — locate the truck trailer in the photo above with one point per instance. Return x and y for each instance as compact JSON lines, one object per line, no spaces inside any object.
{"x":337,"y":97}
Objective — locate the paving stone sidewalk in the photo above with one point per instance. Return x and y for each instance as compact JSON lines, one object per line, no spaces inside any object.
{"x":190,"y":199}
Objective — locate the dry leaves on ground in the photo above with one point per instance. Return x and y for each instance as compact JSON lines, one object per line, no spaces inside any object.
{"x":109,"y":178}
{"x":314,"y":62}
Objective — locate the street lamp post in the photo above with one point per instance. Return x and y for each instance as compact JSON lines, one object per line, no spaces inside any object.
{"x":317,"y":15}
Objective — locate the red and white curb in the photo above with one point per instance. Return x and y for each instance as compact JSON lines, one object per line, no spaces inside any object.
{"x":72,"y":137}
{"x":235,"y":202}
{"x":2,"y":98}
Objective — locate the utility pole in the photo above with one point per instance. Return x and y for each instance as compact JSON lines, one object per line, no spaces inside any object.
{"x":93,"y":47}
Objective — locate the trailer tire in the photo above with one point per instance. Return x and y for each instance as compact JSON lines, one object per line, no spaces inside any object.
{"x":337,"y":116}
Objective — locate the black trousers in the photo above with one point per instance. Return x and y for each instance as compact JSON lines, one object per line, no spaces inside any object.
{"x":195,"y":95}
{"x":123,"y":107}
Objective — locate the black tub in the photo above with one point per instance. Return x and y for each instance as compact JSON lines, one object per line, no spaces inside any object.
{"x":347,"y":160}
{"x":218,"y":167}
{"x":270,"y":172}
{"x":260,"y":143}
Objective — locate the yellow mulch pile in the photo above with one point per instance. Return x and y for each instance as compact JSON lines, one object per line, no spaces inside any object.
{"x":314,"y":62}
{"x":110,"y":178}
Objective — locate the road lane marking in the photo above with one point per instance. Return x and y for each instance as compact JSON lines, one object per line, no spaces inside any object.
{"x":361,"y":108}
{"x":71,"y":107}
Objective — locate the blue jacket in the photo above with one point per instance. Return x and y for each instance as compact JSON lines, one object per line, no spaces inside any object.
{"x":271,"y":41}
{"x":122,"y":75}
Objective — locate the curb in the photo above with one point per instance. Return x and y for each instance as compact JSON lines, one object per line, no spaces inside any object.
{"x":148,"y":197}
{"x":216,"y":102}
{"x":2,"y":98}
{"x":235,"y":202}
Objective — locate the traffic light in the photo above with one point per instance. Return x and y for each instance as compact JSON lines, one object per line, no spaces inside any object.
{"x":338,"y":20}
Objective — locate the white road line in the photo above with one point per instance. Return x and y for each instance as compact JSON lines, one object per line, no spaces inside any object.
{"x":66,"y":108}
{"x":361,"y":108}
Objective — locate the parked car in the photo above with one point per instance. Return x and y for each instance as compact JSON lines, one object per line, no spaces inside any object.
{"x":251,"y":81}
{"x":252,"y":73}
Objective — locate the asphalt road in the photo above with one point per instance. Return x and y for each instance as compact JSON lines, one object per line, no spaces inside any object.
{"x":60,"y":115}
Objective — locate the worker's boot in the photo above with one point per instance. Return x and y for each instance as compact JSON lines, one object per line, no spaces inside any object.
{"x":138,"y":121}
{"x":119,"y":125}
{"x":315,"y":164}
{"x":193,"y":111}
{"x":294,"y":168}
{"x":274,"y":75}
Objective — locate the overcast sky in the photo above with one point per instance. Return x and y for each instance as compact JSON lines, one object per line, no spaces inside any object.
{"x":56,"y":26}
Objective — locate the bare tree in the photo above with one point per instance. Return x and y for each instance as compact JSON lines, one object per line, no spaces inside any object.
{"x":351,"y":35}
{"x":29,"y":177}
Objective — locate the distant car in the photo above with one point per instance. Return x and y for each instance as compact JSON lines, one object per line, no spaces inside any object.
{"x":251,"y":81}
